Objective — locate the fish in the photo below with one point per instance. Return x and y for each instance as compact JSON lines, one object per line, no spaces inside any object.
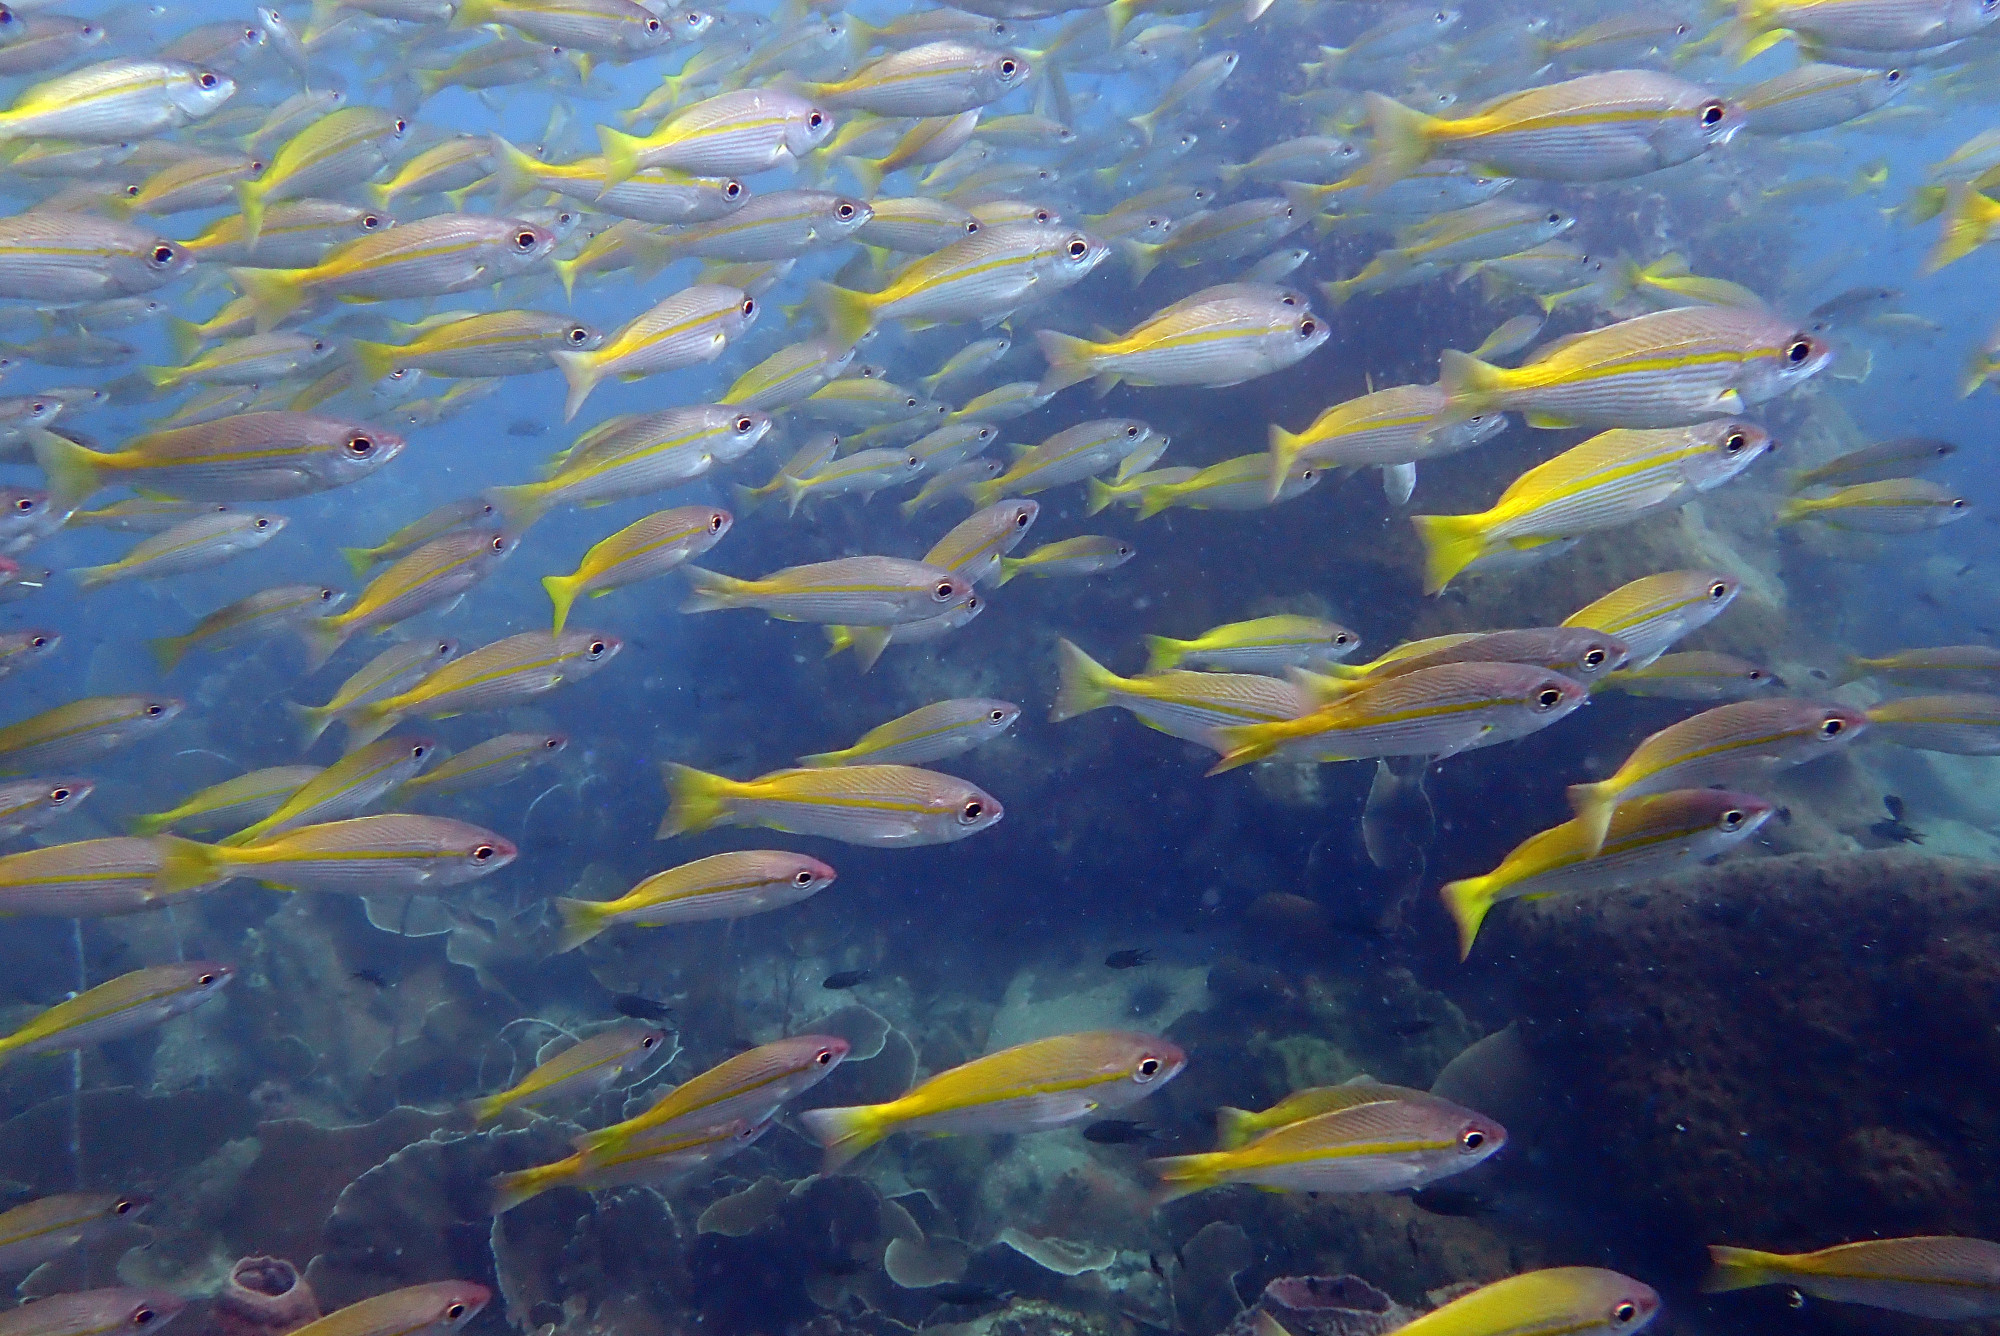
{"x":436,"y":1308}
{"x":728,"y":886}
{"x":1693,"y":675}
{"x":41,"y":1230}
{"x":1653,"y":836}
{"x":387,"y":674}
{"x":1894,"y":506}
{"x":1817,"y":96}
{"x":1190,"y":705}
{"x":1223,"y":335}
{"x":258,"y":358}
{"x":483,"y":765}
{"x":661,"y":1158}
{"x":1744,"y":741}
{"x":1388,"y":429}
{"x":191,"y":545}
{"x":1089,"y":554}
{"x":493,"y":343}
{"x":1583,"y":655}
{"x":690,"y":327}
{"x":1240,"y":483}
{"x":1935,"y":1276}
{"x":94,"y":1312}
{"x":1651,"y":613}
{"x":1260,"y":645}
{"x":116,"y":100}
{"x":1435,"y":712}
{"x":438,"y":572}
{"x":933,"y":79}
{"x":58,"y":738}
{"x":1962,"y":723}
{"x":1670,"y":368}
{"x":124,"y":1006}
{"x":1383,"y":1146}
{"x":930,"y":733}
{"x":1074,"y":454}
{"x":1586,"y":1300}
{"x":342,"y":148}
{"x":1130,"y":959}
{"x":1031,"y":1087}
{"x":1900,"y":457}
{"x":584,"y":1068}
{"x":232,"y":803}
{"x":794,"y":373}
{"x":873,"y":591}
{"x":505,"y":673}
{"x":751,"y":1086}
{"x":736,"y":133}
{"x":1608,"y":481}
{"x":1597,"y":127}
{"x":23,"y":649}
{"x":30,"y":804}
{"x":886,"y":806}
{"x":1238,"y":1127}
{"x":844,"y":979}
{"x":1902,"y":26}
{"x":255,"y":456}
{"x":348,"y":787}
{"x":975,"y":546}
{"x":1954,"y":667}
{"x":364,"y":855}
{"x":50,"y":256}
{"x":633,"y":455}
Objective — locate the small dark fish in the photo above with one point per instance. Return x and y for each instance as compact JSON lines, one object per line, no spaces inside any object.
{"x":1439,"y":1200}
{"x":1785,"y":815}
{"x":1896,"y":832}
{"x":847,"y":978}
{"x":1893,"y":804}
{"x":844,"y":1266}
{"x":1410,"y":1027}
{"x":1153,"y":1261}
{"x":1118,"y":1132}
{"x":641,"y":1008}
{"x":526,"y":427}
{"x":1125,"y":960}
{"x":965,"y":1295}
{"x":370,"y":976}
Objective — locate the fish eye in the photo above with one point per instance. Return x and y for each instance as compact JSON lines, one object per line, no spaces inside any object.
{"x":205,"y":979}
{"x":1548,"y":698}
{"x":369,"y":222}
{"x":972,"y":811}
{"x":401,"y":125}
{"x":1021,"y":520}
{"x":499,"y":543}
{"x":731,"y":189}
{"x":252,"y":35}
{"x":1342,"y":638}
{"x":38,"y":642}
{"x":715,"y":522}
{"x":131,"y":192}
{"x":1624,"y":1312}
{"x":972,"y":604}
{"x":578,"y":334}
{"x":1008,"y":68}
{"x":1733,"y":819}
{"x":1892,"y":76}
{"x":749,"y":307}
{"x":59,"y":795}
{"x":155,"y":711}
{"x":744,"y":424}
{"x":1124,"y":549}
{"x":1593,"y":658}
{"x":454,"y":1312}
{"x":142,"y":1316}
{"x":653,"y":25}
{"x":1471,"y":1139}
{"x":1718,"y":590}
{"x":1148,"y":1068}
{"x":327,"y":595}
{"x":843,"y":211}
{"x":1712,"y":113}
{"x":360,"y":446}
{"x":1735,"y":441}
{"x":649,"y":1041}
{"x":124,"y":1206}
{"x":996,"y":716}
{"x":823,"y":1058}
{"x":596,"y":649}
{"x":1554,"y":216}
{"x":1680,"y":30}
{"x":1078,"y":248}
{"x":1308,"y":327}
{"x":1958,"y":503}
{"x":971,"y":226}
{"x":524,"y":240}
{"x":483,"y":852}
{"x":1831,"y":728}
{"x":25,"y":504}
{"x":815,"y":119}
{"x":206,"y":80}
{"x":943,"y":591}
{"x":803,"y":877}
{"x":164,"y":254}
{"x":1754,"y":675}
{"x":260,"y":523}
{"x":419,"y":752}
{"x":1798,"y":351}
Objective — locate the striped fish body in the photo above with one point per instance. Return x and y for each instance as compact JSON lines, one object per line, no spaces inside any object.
{"x":1731,"y":744}
{"x":1962,"y":723}
{"x":929,"y":733}
{"x":652,"y":451}
{"x":1935,"y":1276}
{"x":986,"y":275}
{"x":750,"y":1087}
{"x":342,"y":149}
{"x":1669,"y":368}
{"x":504,"y":673}
{"x":1651,"y":613}
{"x":1220,"y":336}
{"x":1955,"y":667}
{"x":116,"y":100}
{"x":975,"y":544}
{"x":396,"y":853}
{"x":848,"y":591}
{"x":41,"y":1230}
{"x":1179,"y":703}
{"x":726,"y":886}
{"x":1816,"y":97}
{"x":124,"y":1006}
{"x":59,"y":738}
{"x":1389,"y":1145}
{"x":1871,"y":25}
{"x":1694,"y":675}
{"x":584,"y":1068}
{"x":70,"y":257}
{"x":934,"y":79}
{"x":737,"y":133}
{"x":1387,"y":427}
{"x":87,"y":879}
{"x":1899,"y":505}
{"x":886,"y":806}
{"x":777,"y":226}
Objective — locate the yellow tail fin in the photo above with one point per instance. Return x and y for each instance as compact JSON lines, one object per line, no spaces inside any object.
{"x":185,"y":338}
{"x":581,"y":921}
{"x":360,"y":560}
{"x":711,"y":591}
{"x":1285,"y":449}
{"x":312,"y":721}
{"x":510,"y":1190}
{"x":323,"y":637}
{"x":1969,"y":222}
{"x":848,"y":314}
{"x":1402,"y":138}
{"x":1085,"y":683}
{"x":1069,"y":360}
{"x":1467,"y":902}
{"x":1736,"y":1269}
{"x":152,"y":823}
{"x":521,"y":506}
{"x":696,"y":800}
{"x":1234,"y":1127}
{"x":621,"y":154}
{"x":73,"y":472}
{"x":1451,"y":543}
{"x":1473,"y":386}
{"x":1594,"y":805}
{"x":1163,"y":653}
{"x":562,"y":592}
{"x":868,"y":643}
{"x":1180,"y":1176}
{"x":377,"y":359}
{"x":844,"y":1133}
{"x":273,"y":293}
{"x":1101,"y":496}
{"x":582,"y":370}
{"x":513,"y":171}
{"x":168,"y":651}
{"x":250,"y":196}
{"x":185,"y":865}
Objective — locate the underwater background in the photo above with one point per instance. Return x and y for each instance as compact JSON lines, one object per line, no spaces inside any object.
{"x":1787,"y":1048}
